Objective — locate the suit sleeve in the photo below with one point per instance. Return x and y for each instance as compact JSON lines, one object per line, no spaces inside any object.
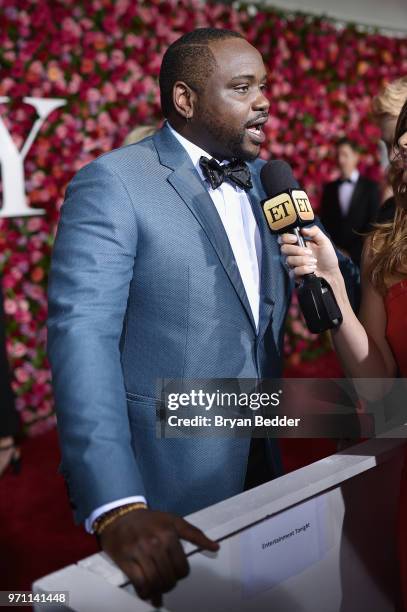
{"x":91,"y":270}
{"x":350,"y":273}
{"x":324,"y":206}
{"x":373,"y":205}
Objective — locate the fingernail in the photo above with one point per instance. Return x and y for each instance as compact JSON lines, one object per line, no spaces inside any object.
{"x":211,"y":554}
{"x":279,"y":239}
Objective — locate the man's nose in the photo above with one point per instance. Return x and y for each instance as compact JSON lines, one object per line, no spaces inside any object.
{"x":261,"y":102}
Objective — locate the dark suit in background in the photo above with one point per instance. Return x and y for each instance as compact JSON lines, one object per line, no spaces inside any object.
{"x":345,"y":229}
{"x":9,"y":420}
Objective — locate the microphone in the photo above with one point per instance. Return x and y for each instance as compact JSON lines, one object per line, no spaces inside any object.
{"x":287,"y":208}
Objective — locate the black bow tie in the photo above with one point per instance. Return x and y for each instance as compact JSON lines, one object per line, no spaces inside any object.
{"x":235,"y":172}
{"x":346,"y":180}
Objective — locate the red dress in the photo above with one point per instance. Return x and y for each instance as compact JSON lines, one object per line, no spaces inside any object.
{"x":396,"y":334}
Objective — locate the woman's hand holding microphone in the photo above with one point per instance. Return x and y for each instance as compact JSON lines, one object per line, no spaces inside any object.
{"x":318,"y":256}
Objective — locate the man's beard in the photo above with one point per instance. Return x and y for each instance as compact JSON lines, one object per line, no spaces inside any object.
{"x":230,"y":140}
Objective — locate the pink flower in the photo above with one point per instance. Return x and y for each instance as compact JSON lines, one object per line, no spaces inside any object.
{"x":28,"y":416}
{"x":18,"y":350}
{"x":10,"y":307}
{"x":34,"y":224}
{"x":21,"y":375}
{"x":36,"y":256}
{"x":93,"y":95}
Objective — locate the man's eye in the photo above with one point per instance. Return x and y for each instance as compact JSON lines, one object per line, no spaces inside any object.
{"x":242,"y":88}
{"x":264,"y":87}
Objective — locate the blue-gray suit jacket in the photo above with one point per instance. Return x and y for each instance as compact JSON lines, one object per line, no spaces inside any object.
{"x":144,"y":285}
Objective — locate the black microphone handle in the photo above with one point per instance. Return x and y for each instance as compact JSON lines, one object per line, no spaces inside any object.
{"x":316,"y":299}
{"x":301,"y":242}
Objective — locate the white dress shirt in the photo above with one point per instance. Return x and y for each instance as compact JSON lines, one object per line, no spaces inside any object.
{"x":345,"y":192}
{"x":236,"y":215}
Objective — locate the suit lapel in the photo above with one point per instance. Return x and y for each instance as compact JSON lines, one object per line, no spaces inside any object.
{"x":187,"y":183}
{"x":272,"y":270}
{"x":336,"y":211}
{"x":354,"y":209}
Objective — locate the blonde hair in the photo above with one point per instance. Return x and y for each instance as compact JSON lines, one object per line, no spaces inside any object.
{"x":390,"y":99}
{"x":139,"y":133}
{"x":388,"y":241}
{"x":388,"y":251}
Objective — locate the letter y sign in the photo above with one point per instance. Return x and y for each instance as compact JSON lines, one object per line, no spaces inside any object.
{"x":12,"y":160}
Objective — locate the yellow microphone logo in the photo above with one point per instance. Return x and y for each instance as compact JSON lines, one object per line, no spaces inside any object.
{"x":287,"y":210}
{"x":302,"y":205}
{"x":280,"y":212}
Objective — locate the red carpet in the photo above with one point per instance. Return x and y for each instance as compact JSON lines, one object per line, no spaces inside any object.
{"x":37,"y":533}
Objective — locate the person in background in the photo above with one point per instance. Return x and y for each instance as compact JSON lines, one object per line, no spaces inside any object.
{"x":140,"y":132}
{"x":386,"y":108}
{"x":9,"y":420}
{"x":350,"y":204}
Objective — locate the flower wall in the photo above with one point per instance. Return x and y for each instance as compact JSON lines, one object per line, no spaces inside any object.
{"x":103,"y":58}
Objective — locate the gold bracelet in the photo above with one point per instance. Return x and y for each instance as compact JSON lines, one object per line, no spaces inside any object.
{"x":107,"y":518}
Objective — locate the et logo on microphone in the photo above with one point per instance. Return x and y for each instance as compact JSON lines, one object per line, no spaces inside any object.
{"x":289,"y":209}
{"x":303,"y":205}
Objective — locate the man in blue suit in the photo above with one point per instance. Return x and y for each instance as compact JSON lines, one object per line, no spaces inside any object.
{"x":164,"y":267}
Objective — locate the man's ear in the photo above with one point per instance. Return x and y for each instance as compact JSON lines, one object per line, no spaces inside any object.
{"x":184,"y":99}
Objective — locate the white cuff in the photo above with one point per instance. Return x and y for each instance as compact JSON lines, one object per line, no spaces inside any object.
{"x":110,"y":506}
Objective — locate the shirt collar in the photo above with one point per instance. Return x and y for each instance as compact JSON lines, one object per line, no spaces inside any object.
{"x":194,"y":152}
{"x":354,"y":177}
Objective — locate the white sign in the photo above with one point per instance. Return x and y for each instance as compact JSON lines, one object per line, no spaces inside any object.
{"x":283,"y":546}
{"x":12,"y":160}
